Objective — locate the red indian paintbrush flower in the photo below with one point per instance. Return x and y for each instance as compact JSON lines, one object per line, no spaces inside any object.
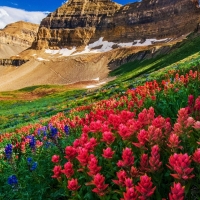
{"x":83,"y":156}
{"x":73,"y":184}
{"x":128,"y":182}
{"x":154,"y":160}
{"x":108,"y":153}
{"x":70,"y":152}
{"x":127,"y":158}
{"x":144,"y":164}
{"x":177,"y":192}
{"x":121,"y":175}
{"x":93,"y":166}
{"x":108,"y":137}
{"x":196,"y":156}
{"x":145,"y":187}
{"x":68,"y":169}
{"x":130,"y":194}
{"x":57,"y":171}
{"x":173,"y":141}
{"x":55,"y":158}
{"x":99,"y":182}
{"x":197,"y":125}
{"x":180,"y":163}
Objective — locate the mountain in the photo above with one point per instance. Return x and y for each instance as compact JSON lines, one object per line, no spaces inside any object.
{"x":16,"y":37}
{"x":80,"y":22}
{"x":83,"y":40}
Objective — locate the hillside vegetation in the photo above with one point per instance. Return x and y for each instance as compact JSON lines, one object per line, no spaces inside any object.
{"x":126,"y":140}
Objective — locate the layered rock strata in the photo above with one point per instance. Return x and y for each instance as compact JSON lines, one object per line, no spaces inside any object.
{"x":79,"y":22}
{"x":12,"y":62}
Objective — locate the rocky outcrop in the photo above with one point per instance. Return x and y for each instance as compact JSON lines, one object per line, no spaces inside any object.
{"x":16,"y":37}
{"x":19,"y":33}
{"x":79,"y":22}
{"x":74,"y":23}
{"x":12,"y":62}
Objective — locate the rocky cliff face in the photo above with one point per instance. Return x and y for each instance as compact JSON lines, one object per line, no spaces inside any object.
{"x":79,"y":22}
{"x":16,"y":37}
{"x":19,"y":33}
{"x":74,"y":23}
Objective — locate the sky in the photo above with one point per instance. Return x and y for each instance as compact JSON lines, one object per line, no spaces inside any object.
{"x":31,"y":11}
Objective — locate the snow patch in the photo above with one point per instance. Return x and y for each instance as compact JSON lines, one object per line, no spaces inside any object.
{"x":42,"y":59}
{"x":102,"y":46}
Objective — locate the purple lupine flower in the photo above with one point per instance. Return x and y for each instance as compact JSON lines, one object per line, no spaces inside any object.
{"x":8,"y":151}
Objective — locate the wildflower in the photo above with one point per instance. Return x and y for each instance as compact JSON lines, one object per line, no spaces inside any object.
{"x":128,"y":183}
{"x":108,"y":137}
{"x":32,"y":142}
{"x":144,"y":164}
{"x":73,"y":184}
{"x":29,"y":160}
{"x":57,"y":171}
{"x":196,"y":156}
{"x":121,"y":175}
{"x":100,"y":185}
{"x":177,"y":192}
{"x":33,"y":166}
{"x":12,"y":180}
{"x":145,"y":187}
{"x":68,"y":169}
{"x":70,"y":152}
{"x":93,"y":166}
{"x":197,"y":125}
{"x":124,"y":132}
{"x":66,"y":129}
{"x":8,"y":151}
{"x":127,"y":158}
{"x":55,"y":158}
{"x":53,"y":132}
{"x":173,"y":141}
{"x":130,"y":194}
{"x":108,"y":153}
{"x":154,"y":160}
{"x":83,"y":156}
{"x":180,"y":163}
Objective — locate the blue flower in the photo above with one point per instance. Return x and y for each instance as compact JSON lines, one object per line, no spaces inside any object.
{"x":8,"y":151}
{"x":67,"y":129}
{"x":34,"y":166}
{"x":12,"y":180}
{"x":29,"y":160}
{"x":32,"y":142}
{"x":54,"y":132}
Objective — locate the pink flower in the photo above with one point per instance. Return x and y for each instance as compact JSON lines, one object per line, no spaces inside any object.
{"x":108,"y":153}
{"x":197,"y":125}
{"x":145,"y":187}
{"x":124,"y":132}
{"x":93,"y":166}
{"x":70,"y":152}
{"x":68,"y":169}
{"x":55,"y":158}
{"x":144,"y":164}
{"x":99,"y":182}
{"x":180,"y":163}
{"x":127,"y":158}
{"x":196,"y":156}
{"x":154,"y":160}
{"x":173,"y":141}
{"x":128,"y":182}
{"x":73,"y":184}
{"x":121,"y":175}
{"x":177,"y":192}
{"x":57,"y":171}
{"x":130,"y":194}
{"x":108,"y":137}
{"x":83,"y":156}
